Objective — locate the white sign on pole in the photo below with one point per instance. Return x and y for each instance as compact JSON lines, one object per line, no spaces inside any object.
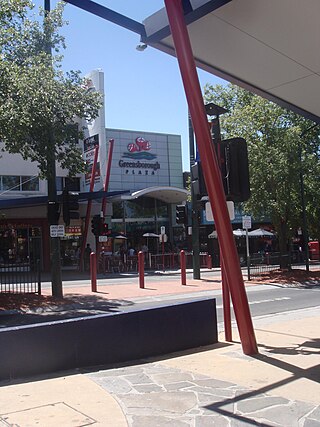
{"x":163,"y":238}
{"x":103,"y":238}
{"x":57,"y":231}
{"x":163,"y":230}
{"x":209,"y":215}
{"x":246,"y":222}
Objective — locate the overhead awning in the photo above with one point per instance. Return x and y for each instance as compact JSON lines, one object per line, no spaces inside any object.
{"x":10,"y":203}
{"x":165,"y":194}
{"x":267,"y":47}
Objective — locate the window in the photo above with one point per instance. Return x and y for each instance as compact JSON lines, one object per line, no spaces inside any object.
{"x":72,"y":184}
{"x":30,"y":183}
{"x":19,"y":183}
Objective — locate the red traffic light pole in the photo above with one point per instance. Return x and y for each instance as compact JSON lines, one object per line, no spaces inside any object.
{"x":211,"y":172}
{"x":88,"y":213}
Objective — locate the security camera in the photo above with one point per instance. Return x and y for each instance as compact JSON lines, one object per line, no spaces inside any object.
{"x":141,"y":47}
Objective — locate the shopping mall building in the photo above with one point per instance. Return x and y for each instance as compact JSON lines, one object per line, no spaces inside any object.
{"x":146,"y":174}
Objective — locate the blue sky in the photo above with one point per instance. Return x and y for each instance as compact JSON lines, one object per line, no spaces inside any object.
{"x":143,"y":90}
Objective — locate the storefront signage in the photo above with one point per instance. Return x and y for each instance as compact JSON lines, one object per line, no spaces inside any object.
{"x":57,"y":231}
{"x":137,"y":152}
{"x":74,"y":230}
{"x":89,"y":145}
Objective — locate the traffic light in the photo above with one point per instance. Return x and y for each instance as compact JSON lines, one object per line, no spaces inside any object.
{"x":197,"y":181}
{"x":53,"y":212}
{"x":70,"y":206}
{"x":181,"y":214}
{"x":96,"y":223}
{"x":104,"y":229}
{"x":235,"y":169}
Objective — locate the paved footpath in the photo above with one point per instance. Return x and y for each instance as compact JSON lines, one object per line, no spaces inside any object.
{"x":211,"y":386}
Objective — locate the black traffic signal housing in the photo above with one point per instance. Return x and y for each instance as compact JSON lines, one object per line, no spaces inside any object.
{"x":53,"y":212}
{"x":104,"y":229}
{"x":197,"y":181}
{"x":70,"y":206}
{"x":96,"y":223}
{"x":235,"y":169}
{"x":181,"y":214}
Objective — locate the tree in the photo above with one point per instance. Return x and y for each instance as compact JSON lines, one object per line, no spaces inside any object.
{"x":273,"y":137}
{"x":40,"y":105}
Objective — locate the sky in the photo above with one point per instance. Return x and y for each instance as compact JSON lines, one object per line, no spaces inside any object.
{"x":143,"y":90}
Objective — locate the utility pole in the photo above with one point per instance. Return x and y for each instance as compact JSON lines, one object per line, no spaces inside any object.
{"x":56,"y":282}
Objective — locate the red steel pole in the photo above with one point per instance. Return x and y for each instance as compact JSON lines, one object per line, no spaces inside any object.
{"x":209,"y":262}
{"x":211,"y":173}
{"x":226,"y":304}
{"x":183,"y":267}
{"x":107,"y":178}
{"x":93,"y":271}
{"x":162,"y":241}
{"x":88,"y":213}
{"x":141,"y":269}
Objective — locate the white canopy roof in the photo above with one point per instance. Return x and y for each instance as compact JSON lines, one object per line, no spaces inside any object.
{"x":269,"y":47}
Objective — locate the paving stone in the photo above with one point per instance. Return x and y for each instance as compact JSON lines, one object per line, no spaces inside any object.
{"x":147,"y":388}
{"x":213,"y":383}
{"x":153,"y":368}
{"x":308,"y":423}
{"x":285,"y":415}
{"x":179,"y":386}
{"x":257,"y":403}
{"x":315,"y":413}
{"x":114,"y":385}
{"x":165,"y":403}
{"x":172,"y":377}
{"x":147,"y":421}
{"x":226,"y":393}
{"x":127,"y":370}
{"x":210,"y":421}
{"x":140,"y":378}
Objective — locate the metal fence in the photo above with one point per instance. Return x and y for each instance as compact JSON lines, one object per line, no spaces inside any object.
{"x":165,"y":261}
{"x":20,"y":278}
{"x":265,"y":262}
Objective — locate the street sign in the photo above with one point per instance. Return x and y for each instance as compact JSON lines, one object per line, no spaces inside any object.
{"x":209,"y":215}
{"x":103,"y":238}
{"x":163,"y":238}
{"x":246,"y":222}
{"x":163,"y":230}
{"x":57,"y":231}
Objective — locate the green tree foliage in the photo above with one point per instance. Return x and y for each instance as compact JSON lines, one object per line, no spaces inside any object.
{"x":273,"y":137}
{"x":40,"y":106}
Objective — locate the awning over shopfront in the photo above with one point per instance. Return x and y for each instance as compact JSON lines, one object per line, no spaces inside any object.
{"x":267,"y":47}
{"x":165,"y":194}
{"x":19,"y":202}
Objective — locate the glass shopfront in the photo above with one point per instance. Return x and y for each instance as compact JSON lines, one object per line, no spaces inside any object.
{"x":19,"y":244}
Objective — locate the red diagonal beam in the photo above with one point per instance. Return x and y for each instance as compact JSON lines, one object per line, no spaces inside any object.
{"x":211,"y":174}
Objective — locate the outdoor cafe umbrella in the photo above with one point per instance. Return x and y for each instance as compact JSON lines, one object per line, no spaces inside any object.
{"x":239,"y":232}
{"x":151,"y":235}
{"x":260,"y":232}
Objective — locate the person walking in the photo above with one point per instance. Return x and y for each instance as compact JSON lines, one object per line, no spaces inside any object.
{"x":87,"y":253}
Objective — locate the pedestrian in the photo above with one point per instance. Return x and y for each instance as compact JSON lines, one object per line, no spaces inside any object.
{"x":87,"y":253}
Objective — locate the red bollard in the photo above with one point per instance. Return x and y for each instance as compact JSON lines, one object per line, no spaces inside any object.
{"x":141,"y":269}
{"x":209,"y":262}
{"x":93,"y":271}
{"x":183,"y":268}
